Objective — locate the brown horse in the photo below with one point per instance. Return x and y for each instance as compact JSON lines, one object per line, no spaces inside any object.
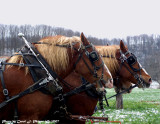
{"x":63,"y":60}
{"x":112,"y":56}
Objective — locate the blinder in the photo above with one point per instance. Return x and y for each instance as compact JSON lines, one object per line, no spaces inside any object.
{"x":131,"y":60}
{"x":93,"y":56}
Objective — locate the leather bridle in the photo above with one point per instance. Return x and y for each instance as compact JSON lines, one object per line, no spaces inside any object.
{"x":131,"y":60}
{"x":93,"y":57}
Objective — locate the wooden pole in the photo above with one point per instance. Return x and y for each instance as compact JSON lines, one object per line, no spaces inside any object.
{"x":119,"y":101}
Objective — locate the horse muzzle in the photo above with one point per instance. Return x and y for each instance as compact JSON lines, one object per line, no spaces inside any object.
{"x":145,"y":83}
{"x":108,"y":84}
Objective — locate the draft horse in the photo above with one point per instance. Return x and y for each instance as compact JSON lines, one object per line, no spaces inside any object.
{"x":124,"y":68}
{"x":63,"y":55}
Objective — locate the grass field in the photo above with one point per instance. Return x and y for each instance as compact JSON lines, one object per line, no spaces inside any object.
{"x":140,"y":107}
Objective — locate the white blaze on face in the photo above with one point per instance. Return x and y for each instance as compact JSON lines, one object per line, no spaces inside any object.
{"x":143,"y":69}
{"x":108,"y":71}
{"x":109,"y":84}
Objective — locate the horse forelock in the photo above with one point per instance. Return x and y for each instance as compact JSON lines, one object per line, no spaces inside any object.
{"x":109,"y":57}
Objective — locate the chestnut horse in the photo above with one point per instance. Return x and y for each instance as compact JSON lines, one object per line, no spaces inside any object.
{"x":127,"y":63}
{"x":62,"y":60}
{"x":112,"y":56}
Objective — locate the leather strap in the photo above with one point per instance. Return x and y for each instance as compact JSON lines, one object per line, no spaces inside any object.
{"x":5,"y":91}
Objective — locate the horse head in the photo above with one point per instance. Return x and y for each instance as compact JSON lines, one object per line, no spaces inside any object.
{"x":91,"y":66}
{"x":130,"y":69}
{"x":75,"y":53}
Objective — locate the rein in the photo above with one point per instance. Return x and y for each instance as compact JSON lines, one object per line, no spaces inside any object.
{"x":124,"y":91}
{"x":78,"y":90}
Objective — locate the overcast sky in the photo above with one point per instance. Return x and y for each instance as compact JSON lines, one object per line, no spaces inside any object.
{"x":99,"y":18}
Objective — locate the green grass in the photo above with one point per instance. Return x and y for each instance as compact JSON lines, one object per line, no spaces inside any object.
{"x":140,"y":107}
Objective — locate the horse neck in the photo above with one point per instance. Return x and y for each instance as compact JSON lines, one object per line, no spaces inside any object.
{"x":113,"y":68}
{"x":74,"y":79}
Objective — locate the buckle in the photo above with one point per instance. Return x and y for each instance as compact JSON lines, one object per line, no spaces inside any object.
{"x":21,"y":64}
{"x":60,"y":96}
{"x":83,"y":47}
{"x":5,"y":92}
{"x":136,"y":76}
{"x":1,"y":65}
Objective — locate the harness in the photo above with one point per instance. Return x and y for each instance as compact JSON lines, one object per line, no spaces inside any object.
{"x":5,"y":91}
{"x":93,"y":57}
{"x":43,"y":75}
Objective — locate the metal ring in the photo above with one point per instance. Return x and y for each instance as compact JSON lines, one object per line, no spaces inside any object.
{"x":21,"y":64}
{"x":5,"y":92}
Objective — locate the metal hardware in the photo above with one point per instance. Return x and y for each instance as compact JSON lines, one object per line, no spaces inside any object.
{"x":5,"y":92}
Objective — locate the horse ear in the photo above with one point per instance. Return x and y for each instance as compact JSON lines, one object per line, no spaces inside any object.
{"x":122,"y":47}
{"x":84,"y":39}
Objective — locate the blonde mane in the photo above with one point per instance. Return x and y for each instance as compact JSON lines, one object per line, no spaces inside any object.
{"x":55,"y":55}
{"x":109,"y":53}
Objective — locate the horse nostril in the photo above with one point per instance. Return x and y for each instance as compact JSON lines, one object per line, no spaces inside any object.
{"x":111,"y":80}
{"x":150,"y":80}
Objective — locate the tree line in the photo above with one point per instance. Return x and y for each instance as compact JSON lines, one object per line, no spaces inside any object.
{"x":145,"y":47}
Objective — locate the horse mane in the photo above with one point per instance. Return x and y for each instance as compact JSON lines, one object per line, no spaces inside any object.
{"x":109,"y":56}
{"x":54,"y":54}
